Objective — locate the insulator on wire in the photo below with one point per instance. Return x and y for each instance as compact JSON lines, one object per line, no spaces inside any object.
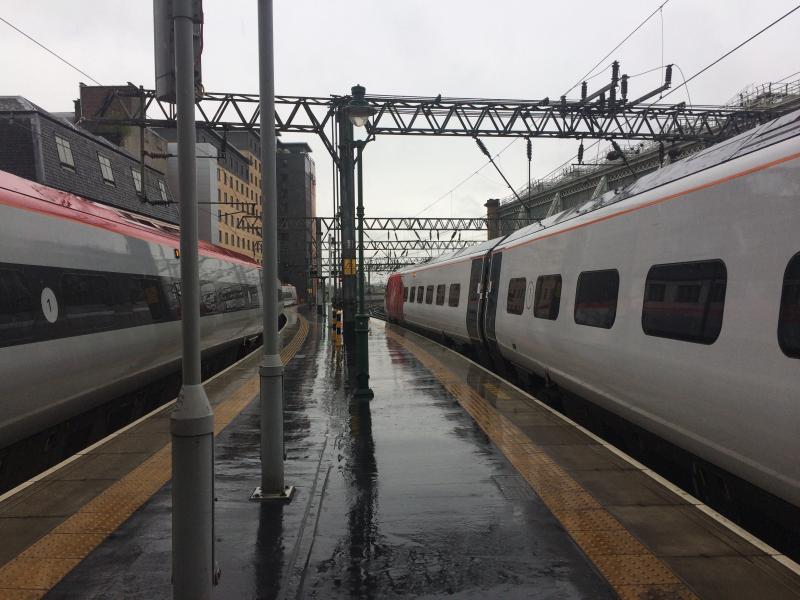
{"x":482,"y":147}
{"x":580,"y":153}
{"x":530,"y":150}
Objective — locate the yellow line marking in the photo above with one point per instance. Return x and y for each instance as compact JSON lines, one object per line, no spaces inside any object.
{"x":44,"y":563}
{"x":628,"y":566}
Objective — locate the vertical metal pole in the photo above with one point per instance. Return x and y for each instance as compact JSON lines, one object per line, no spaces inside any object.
{"x":271,"y":368}
{"x":320,"y":278}
{"x":347,"y":202}
{"x":192,"y":421}
{"x":361,"y":319}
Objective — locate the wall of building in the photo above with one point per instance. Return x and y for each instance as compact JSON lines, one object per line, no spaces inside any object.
{"x":17,"y":147}
{"x":33,"y":154}
{"x":296,"y":185}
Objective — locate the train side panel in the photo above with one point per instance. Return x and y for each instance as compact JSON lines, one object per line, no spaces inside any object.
{"x":48,"y":380}
{"x":439,"y":319}
{"x":732,"y":401}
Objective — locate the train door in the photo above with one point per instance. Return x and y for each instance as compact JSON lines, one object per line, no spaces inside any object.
{"x":474,"y":301}
{"x":490,"y":314}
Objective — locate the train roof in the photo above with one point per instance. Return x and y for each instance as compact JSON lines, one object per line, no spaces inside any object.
{"x":465,"y":253}
{"x":778,"y":130}
{"x":770,"y":133}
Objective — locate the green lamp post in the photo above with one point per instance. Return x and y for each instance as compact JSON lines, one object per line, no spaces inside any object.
{"x":359,"y":112}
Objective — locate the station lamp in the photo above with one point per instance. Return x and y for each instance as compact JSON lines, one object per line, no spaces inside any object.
{"x":358,"y":110}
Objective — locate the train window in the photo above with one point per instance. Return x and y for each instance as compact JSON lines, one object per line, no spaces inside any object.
{"x":515,"y":302}
{"x":88,"y":300}
{"x":17,"y":307}
{"x":105,"y":169}
{"x":420,"y":293}
{"x":252,"y":291}
{"x":405,"y":293}
{"x":547,"y":297}
{"x":596,"y":298}
{"x":429,"y":295}
{"x":65,"y":153}
{"x":455,"y":293}
{"x":789,"y":316}
{"x":685,"y":301}
{"x":146,"y":300}
{"x":440,"y":290}
{"x":208,"y":298}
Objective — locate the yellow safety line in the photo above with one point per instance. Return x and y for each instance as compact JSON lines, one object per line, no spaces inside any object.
{"x":628,"y":566}
{"x":43,"y":564}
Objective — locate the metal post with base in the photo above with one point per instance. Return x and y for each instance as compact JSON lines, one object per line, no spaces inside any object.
{"x":362,"y":390}
{"x":273,"y":487}
{"x":192,"y":422}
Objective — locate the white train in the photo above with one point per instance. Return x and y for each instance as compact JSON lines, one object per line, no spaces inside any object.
{"x":90,"y":304}
{"x":288,"y":294}
{"x":673,"y":303}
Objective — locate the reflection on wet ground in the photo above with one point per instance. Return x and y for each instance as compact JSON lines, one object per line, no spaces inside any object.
{"x":402,"y":496}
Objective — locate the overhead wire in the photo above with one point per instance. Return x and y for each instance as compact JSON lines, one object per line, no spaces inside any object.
{"x":589,"y":75}
{"x":45,"y":48}
{"x":782,"y":79}
{"x":700,"y":72}
{"x":732,"y":50}
{"x":463,"y":181}
{"x":614,"y":49}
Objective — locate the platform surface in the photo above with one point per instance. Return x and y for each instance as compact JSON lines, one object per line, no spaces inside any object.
{"x":450,"y":483}
{"x":404,"y":496}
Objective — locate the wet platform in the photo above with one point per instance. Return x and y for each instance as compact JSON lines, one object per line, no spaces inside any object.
{"x":451,"y":482}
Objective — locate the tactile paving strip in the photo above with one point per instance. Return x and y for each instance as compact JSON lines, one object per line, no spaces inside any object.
{"x":44,"y":563}
{"x":628,"y":566}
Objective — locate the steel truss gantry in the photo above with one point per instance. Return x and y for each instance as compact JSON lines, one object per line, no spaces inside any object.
{"x":427,"y":116}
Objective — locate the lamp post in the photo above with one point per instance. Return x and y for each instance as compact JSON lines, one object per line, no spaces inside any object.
{"x":359,"y":112}
{"x":273,"y":487}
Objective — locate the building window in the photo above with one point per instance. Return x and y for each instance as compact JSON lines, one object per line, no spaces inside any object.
{"x":429,"y":295}
{"x":220,"y":237}
{"x":105,"y":169}
{"x":685,"y":301}
{"x":547,"y":297}
{"x":137,"y":179}
{"x":163,"y":189}
{"x":515,"y":302}
{"x":440,"y":290}
{"x":789,"y":316}
{"x":596,"y":298}
{"x":455,"y":294}
{"x":226,"y":237}
{"x":65,"y":153}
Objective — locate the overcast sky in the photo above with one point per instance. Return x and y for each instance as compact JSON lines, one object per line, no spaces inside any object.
{"x":468,"y":48}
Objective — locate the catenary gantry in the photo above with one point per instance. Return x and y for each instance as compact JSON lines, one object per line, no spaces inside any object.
{"x":429,"y":116}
